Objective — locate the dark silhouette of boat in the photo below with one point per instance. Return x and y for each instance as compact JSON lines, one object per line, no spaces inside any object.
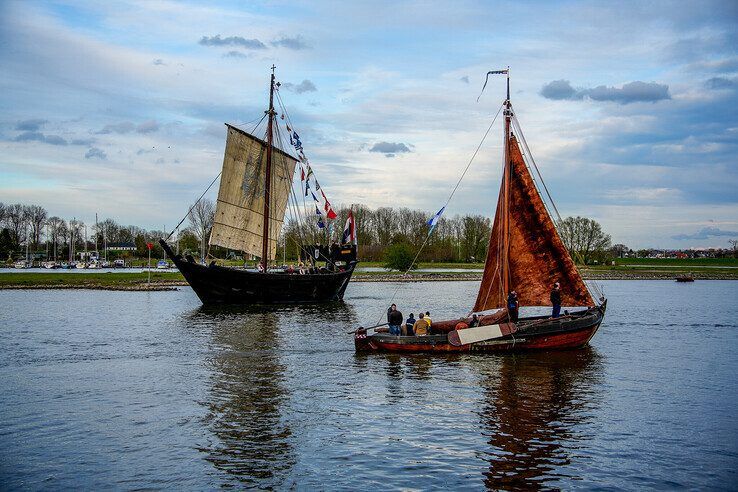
{"x":525,"y":255}
{"x":254,"y":195}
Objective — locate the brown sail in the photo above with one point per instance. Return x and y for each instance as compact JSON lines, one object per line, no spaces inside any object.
{"x":531,"y":256}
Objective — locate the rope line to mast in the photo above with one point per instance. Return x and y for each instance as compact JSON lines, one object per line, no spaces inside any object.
{"x":458,"y":183}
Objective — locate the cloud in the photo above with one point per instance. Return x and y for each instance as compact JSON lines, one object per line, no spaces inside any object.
{"x":304,"y":86}
{"x":147,"y":127}
{"x":465,"y":79}
{"x":124,"y":127}
{"x":32,"y":125}
{"x":95,"y":153}
{"x":40,"y":137}
{"x":235,"y":54}
{"x":249,"y":44}
{"x":144,"y":151}
{"x":558,"y":90}
{"x":296,"y":43}
{"x":629,"y":93}
{"x":389,"y":149}
{"x":717,"y":83}
{"x":83,"y":141}
{"x":706,"y":233}
{"x":158,"y":61}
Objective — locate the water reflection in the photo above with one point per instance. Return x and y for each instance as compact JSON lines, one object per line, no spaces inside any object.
{"x":534,"y":407}
{"x":250,"y":435}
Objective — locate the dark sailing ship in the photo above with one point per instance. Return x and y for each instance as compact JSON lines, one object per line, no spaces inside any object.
{"x":525,"y":254}
{"x":254,"y":194}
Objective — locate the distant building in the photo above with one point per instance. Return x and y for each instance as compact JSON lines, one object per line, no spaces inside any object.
{"x":122,"y":247}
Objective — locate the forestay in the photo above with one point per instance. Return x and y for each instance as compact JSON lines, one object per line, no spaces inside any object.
{"x":239,"y":217}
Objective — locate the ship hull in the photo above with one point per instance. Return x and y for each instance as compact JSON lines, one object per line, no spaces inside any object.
{"x":215,"y":284}
{"x":537,"y":333}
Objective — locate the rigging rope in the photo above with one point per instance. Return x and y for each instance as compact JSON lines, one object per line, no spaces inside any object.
{"x":458,"y":183}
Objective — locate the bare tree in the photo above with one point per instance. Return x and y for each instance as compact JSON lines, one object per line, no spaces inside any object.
{"x":16,"y":217}
{"x":734,"y":244}
{"x":583,"y":237}
{"x":201,"y":218}
{"x":36,"y":218}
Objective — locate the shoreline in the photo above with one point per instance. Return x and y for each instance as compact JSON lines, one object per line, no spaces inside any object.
{"x":31,"y":281}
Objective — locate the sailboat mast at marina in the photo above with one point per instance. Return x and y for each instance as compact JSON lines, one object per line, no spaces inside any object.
{"x":525,"y":259}
{"x":256,"y":186}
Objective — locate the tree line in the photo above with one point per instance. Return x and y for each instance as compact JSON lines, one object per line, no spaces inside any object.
{"x":458,"y":238}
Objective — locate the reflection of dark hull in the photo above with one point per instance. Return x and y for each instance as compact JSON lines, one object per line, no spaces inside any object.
{"x":223,"y":285}
{"x":536,"y":333}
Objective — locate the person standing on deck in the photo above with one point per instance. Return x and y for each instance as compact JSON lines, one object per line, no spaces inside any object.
{"x":474,"y":321}
{"x":556,"y":300}
{"x":428,"y":320}
{"x":421,"y":326}
{"x":394,"y":318}
{"x":408,"y":328}
{"x":513,"y":305}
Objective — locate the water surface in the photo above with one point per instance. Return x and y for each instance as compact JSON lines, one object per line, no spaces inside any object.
{"x":150,"y":390}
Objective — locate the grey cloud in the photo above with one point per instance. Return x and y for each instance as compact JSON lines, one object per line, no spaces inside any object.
{"x":235,"y":54}
{"x":629,"y":93}
{"x":95,"y":153}
{"x":304,"y":86}
{"x":40,"y":137}
{"x":721,"y":83}
{"x":124,"y":127}
{"x":83,"y":141}
{"x":465,"y":79}
{"x":144,"y":151}
{"x":160,"y":160}
{"x":706,"y":233}
{"x":158,"y":61}
{"x":389,"y":149}
{"x":147,"y":127}
{"x":250,"y":44}
{"x":296,"y":43}
{"x":557,"y":90}
{"x":32,"y":125}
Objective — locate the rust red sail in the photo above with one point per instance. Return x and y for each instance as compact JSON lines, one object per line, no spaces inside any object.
{"x":530,"y":257}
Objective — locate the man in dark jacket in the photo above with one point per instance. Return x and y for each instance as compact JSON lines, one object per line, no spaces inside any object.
{"x":395,"y":319}
{"x":556,"y":300}
{"x":513,"y":306}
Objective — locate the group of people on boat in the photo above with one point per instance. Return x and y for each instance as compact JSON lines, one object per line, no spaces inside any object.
{"x":422,"y":325}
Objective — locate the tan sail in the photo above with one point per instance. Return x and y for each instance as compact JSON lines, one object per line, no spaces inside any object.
{"x":536,"y":256}
{"x":239,"y":215}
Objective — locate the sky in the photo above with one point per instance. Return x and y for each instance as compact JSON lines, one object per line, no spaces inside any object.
{"x":629,"y":108}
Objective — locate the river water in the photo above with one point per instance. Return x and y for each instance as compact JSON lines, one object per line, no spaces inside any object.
{"x":139,"y":390}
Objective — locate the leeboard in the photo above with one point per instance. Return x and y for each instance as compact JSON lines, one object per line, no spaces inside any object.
{"x":479,"y":334}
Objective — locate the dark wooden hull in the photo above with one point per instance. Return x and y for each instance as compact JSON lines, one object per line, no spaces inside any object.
{"x":536,"y":333}
{"x":223,"y":285}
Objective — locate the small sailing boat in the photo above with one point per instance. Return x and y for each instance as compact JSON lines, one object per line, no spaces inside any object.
{"x":525,"y":255}
{"x":255,"y":191}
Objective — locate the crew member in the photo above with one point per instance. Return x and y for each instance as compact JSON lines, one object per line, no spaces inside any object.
{"x":421,"y":326}
{"x":513,"y":305}
{"x":394,"y":318}
{"x":556,"y":300}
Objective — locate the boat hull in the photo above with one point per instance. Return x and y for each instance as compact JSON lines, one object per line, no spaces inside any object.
{"x":531,"y":334}
{"x":214,"y":284}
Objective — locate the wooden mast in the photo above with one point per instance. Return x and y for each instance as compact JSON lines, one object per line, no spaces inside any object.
{"x":268,"y":177}
{"x":505,"y":264}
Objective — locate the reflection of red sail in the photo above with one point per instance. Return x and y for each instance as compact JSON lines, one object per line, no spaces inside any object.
{"x":531,"y":256}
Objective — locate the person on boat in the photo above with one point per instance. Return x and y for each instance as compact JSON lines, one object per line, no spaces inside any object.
{"x":474,"y":321}
{"x":291,"y":268}
{"x":421,"y":326}
{"x":394,"y":318}
{"x":428,"y":320}
{"x":301,"y":268}
{"x":260,"y":266}
{"x":556,"y":300}
{"x":513,"y":305}
{"x":408,"y":328}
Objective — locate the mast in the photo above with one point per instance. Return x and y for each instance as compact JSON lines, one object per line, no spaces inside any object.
{"x":268,"y":177}
{"x":505,"y":273}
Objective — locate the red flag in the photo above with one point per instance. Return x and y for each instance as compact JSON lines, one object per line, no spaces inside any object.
{"x":331,"y":214}
{"x":149,"y":245}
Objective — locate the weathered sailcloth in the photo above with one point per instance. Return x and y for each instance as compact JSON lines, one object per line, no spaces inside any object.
{"x":536,"y":256}
{"x":239,"y":215}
